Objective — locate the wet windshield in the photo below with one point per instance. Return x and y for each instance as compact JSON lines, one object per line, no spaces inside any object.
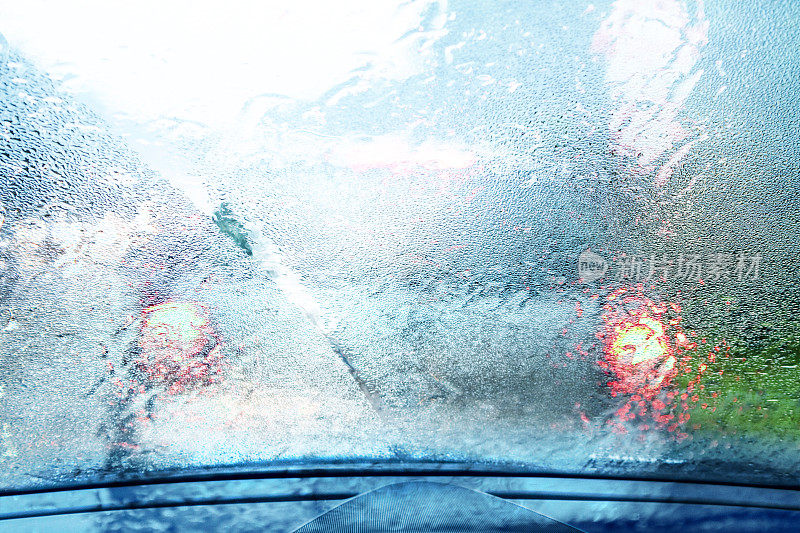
{"x":559,"y":237}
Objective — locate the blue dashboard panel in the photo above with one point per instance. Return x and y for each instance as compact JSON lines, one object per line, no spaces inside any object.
{"x":286,"y":500}
{"x":592,"y":517}
{"x":612,"y":516}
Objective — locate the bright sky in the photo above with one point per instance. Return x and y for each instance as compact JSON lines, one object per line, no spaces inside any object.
{"x":201,"y":61}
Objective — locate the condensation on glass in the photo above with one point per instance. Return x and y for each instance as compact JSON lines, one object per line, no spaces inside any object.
{"x":558,"y":236}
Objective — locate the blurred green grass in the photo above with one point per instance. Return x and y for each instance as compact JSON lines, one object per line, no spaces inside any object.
{"x":753,"y":385}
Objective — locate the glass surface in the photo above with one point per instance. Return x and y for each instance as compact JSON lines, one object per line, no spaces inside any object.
{"x":556,"y":237}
